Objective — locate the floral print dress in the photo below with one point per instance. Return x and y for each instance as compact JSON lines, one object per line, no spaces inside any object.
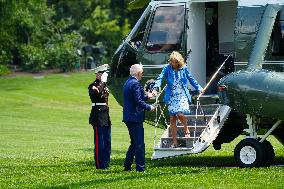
{"x":178,"y":100}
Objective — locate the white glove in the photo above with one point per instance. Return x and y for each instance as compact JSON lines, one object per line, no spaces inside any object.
{"x":104,"y":77}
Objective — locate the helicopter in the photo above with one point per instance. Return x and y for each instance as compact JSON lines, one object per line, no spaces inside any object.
{"x":257,"y":93}
{"x":241,"y":44}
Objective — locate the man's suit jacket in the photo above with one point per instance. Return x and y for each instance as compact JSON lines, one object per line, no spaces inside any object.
{"x":134,"y":101}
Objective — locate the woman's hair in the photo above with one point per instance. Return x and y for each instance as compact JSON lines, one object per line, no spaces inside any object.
{"x":135,"y":68}
{"x":177,"y":56}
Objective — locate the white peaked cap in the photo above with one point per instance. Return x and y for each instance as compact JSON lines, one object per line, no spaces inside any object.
{"x":102,"y":68}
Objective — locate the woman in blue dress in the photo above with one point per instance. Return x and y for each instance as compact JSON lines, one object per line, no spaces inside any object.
{"x":177,"y":95}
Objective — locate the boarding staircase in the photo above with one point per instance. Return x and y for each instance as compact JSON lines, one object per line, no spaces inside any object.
{"x":204,"y":123}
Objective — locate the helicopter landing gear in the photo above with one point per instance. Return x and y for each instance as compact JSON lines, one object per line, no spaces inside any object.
{"x":249,"y":153}
{"x":253,"y":151}
{"x":269,"y":153}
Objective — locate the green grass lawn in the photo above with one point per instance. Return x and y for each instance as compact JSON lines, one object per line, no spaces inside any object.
{"x":46,"y":142}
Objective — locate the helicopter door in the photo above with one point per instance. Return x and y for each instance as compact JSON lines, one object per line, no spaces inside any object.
{"x":165,"y":34}
{"x":219,"y":20}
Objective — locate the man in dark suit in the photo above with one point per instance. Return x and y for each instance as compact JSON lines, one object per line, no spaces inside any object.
{"x":133,"y":117}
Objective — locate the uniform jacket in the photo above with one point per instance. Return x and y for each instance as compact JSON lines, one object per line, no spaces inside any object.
{"x":99,"y":115}
{"x":183,"y":73}
{"x":134,"y":101}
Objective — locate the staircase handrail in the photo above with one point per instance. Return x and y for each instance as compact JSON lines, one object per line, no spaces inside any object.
{"x":157,"y":120}
{"x":213,"y":77}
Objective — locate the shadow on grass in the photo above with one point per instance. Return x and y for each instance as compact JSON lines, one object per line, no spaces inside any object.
{"x":203,"y":161}
{"x":168,"y":166}
{"x":187,"y":161}
{"x":184,"y":161}
{"x":195,"y":161}
{"x":116,"y":174}
{"x":116,"y":152}
{"x":278,"y":161}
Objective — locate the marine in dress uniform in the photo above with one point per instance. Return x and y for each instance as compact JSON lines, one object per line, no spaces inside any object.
{"x":100,"y":119}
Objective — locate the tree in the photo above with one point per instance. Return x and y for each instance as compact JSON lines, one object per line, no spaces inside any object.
{"x":43,"y":34}
{"x":101,"y":28}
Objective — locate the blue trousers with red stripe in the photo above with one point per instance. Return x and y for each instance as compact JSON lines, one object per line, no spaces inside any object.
{"x":102,"y":143}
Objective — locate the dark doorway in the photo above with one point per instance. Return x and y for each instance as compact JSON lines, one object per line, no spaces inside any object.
{"x":212,"y":45}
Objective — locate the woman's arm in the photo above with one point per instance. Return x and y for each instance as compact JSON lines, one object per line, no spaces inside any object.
{"x":160,"y":78}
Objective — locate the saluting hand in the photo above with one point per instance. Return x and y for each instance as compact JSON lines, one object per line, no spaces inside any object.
{"x":104,"y":77}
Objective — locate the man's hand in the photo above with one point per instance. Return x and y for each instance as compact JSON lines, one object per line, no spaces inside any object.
{"x":153,"y":108}
{"x":104,"y":77}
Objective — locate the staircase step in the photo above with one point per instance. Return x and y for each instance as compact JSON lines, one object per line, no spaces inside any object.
{"x":199,"y":116}
{"x":191,"y":126}
{"x":207,"y":109}
{"x":193,"y":144}
{"x":180,"y":132}
{"x":183,"y":142}
{"x":169,"y":152}
{"x":172,"y":149}
{"x":192,"y":122}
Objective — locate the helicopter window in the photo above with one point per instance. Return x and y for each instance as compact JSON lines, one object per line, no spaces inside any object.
{"x":167,"y":29}
{"x":158,"y":36}
{"x":278,"y":39}
{"x":276,"y":45}
{"x":136,"y":39}
{"x":275,"y":50}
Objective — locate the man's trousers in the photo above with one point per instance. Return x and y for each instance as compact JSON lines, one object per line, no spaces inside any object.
{"x":136,"y":148}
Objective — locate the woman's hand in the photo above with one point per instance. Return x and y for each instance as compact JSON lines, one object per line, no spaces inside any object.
{"x":150,"y":95}
{"x":154,"y":93}
{"x":201,"y":92}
